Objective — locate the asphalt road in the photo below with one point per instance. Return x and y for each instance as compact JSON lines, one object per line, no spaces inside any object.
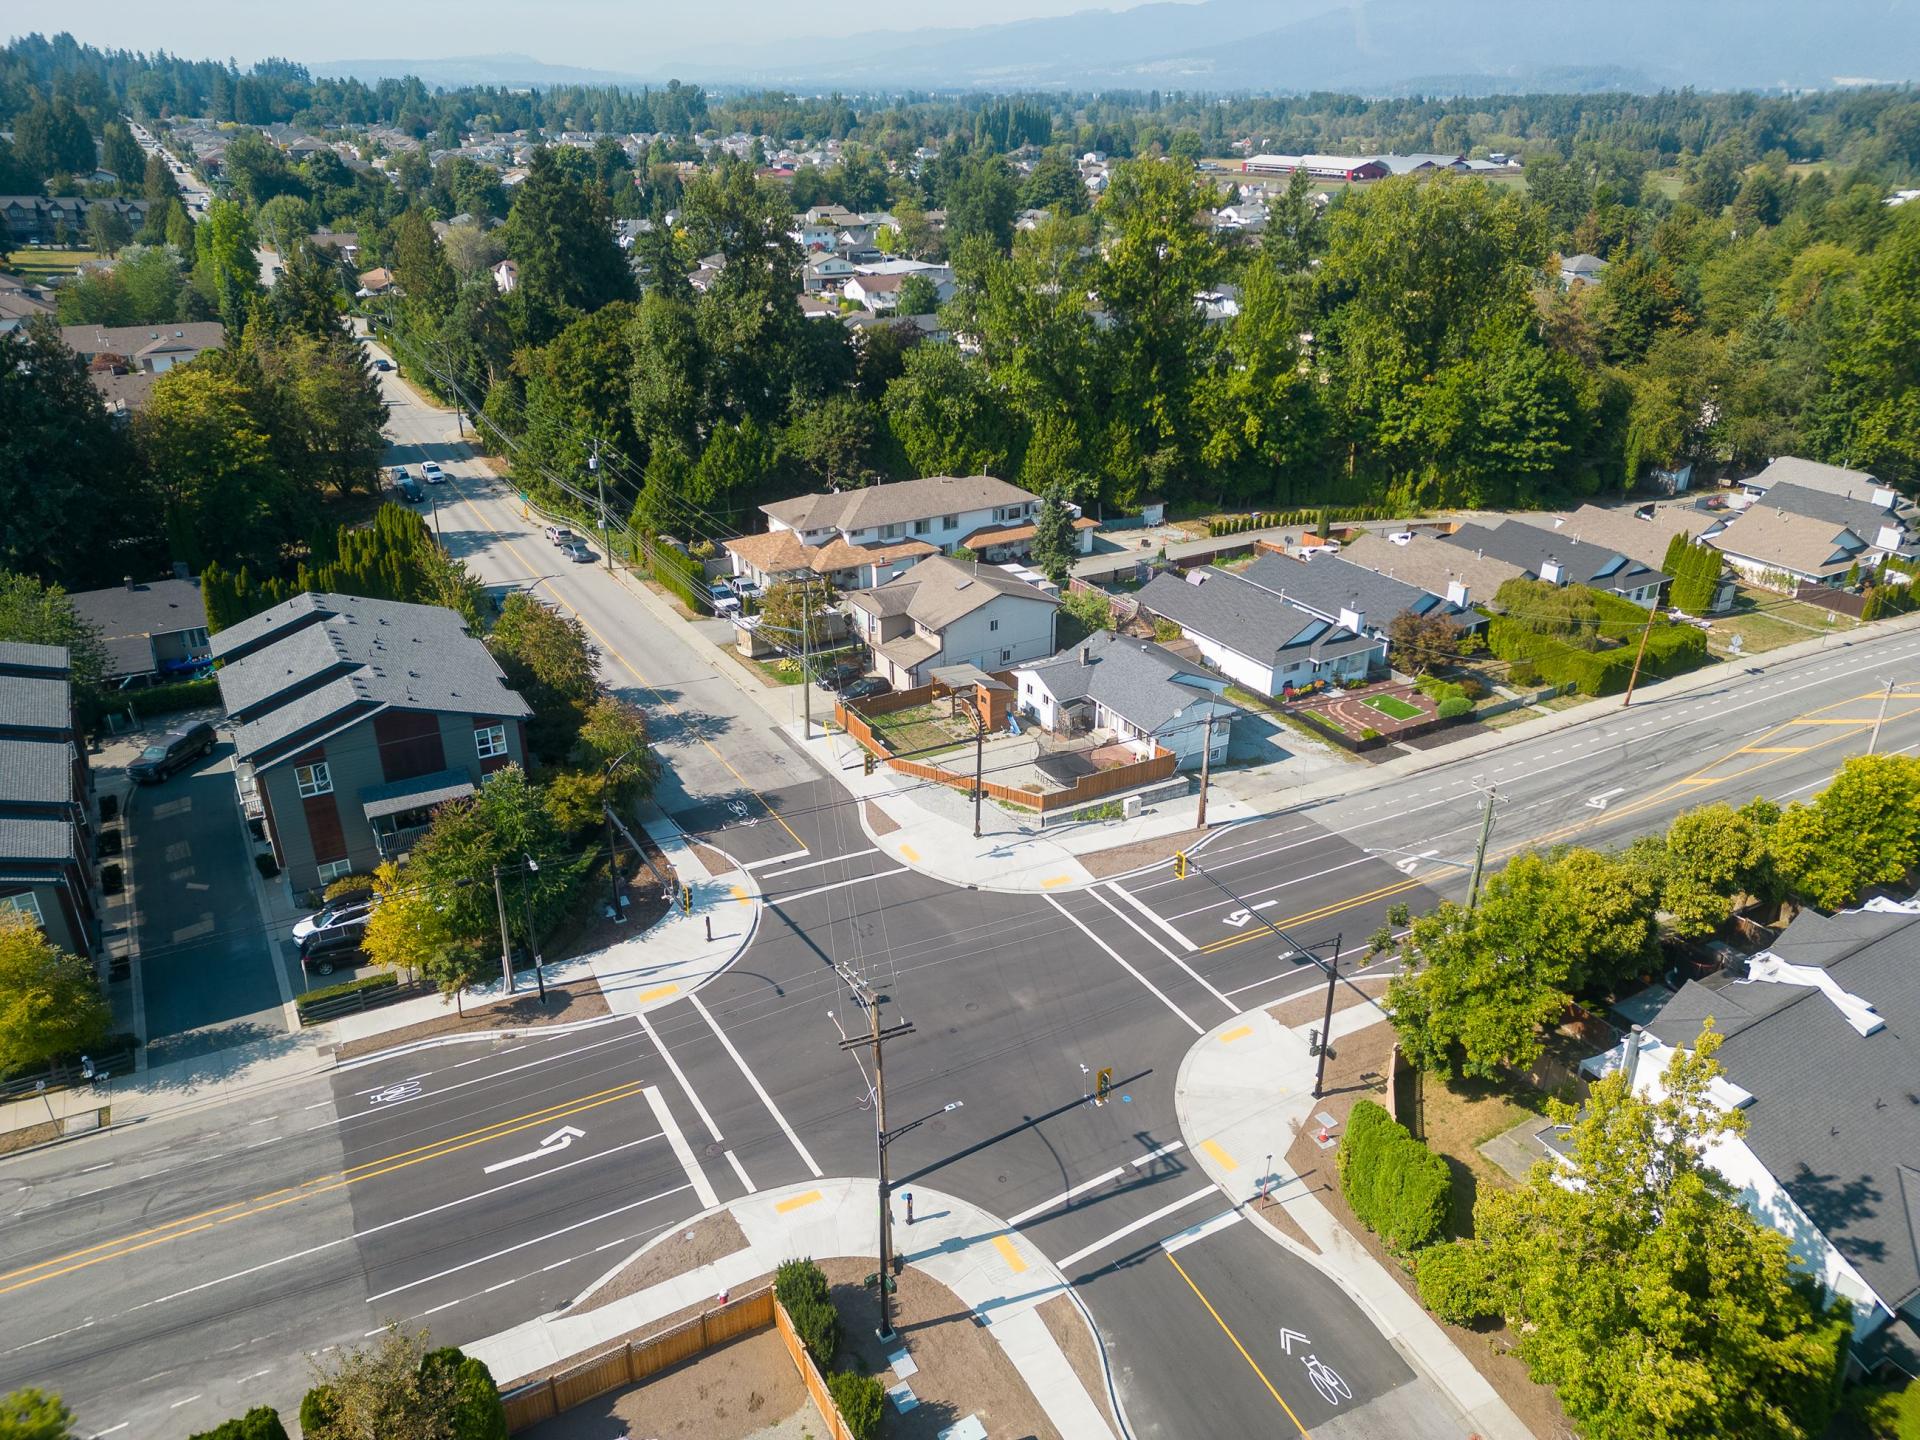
{"x":166,"y":1275}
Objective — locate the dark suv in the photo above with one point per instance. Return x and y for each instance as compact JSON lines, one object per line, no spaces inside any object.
{"x":173,"y":752}
{"x":331,"y":939}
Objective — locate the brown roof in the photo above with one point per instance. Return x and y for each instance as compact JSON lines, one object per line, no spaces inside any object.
{"x":1431,"y":563}
{"x":940,"y":590}
{"x":779,"y":551}
{"x":1781,"y":538}
{"x":1014,"y":534}
{"x":897,"y":503}
{"x":135,"y":340}
{"x":1642,"y":540}
{"x":378,"y":278}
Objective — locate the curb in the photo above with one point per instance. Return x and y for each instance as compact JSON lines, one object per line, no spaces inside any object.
{"x":69,"y":1139}
{"x":469,"y":1037}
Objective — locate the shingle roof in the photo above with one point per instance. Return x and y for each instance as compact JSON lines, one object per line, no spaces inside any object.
{"x":35,"y":702}
{"x":1247,"y":618}
{"x":1432,"y":564}
{"x":36,"y":772}
{"x":1833,"y":1116}
{"x":34,"y":838}
{"x":1788,"y":541}
{"x":1833,"y":479}
{"x":1642,"y":540}
{"x":897,"y":503}
{"x":131,"y":340}
{"x":940,"y":590}
{"x":1326,"y":584}
{"x":1531,"y":546}
{"x":1135,"y":679}
{"x":1861,"y":516}
{"x":775,"y":552}
{"x":23,"y":657}
{"x":128,"y":619}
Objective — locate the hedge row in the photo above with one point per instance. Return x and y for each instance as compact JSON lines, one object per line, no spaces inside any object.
{"x":167,"y":699}
{"x":1269,"y":519}
{"x":681,"y":574}
{"x":801,"y":1288}
{"x":1555,"y":633}
{"x":1695,"y":569}
{"x":333,"y":992}
{"x":1397,"y":1187}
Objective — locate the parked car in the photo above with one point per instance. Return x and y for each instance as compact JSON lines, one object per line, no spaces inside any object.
{"x":838,"y":677}
{"x":173,"y":752}
{"x":342,"y":917}
{"x":433,"y":473}
{"x":411,"y":491}
{"x":561,"y":535}
{"x":725,"y":600}
{"x":325,"y":951}
{"x":578,"y":552}
{"x":867,"y":688}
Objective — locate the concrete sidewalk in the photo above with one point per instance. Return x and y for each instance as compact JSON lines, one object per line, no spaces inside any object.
{"x":1242,"y":1094}
{"x":996,"y":1273}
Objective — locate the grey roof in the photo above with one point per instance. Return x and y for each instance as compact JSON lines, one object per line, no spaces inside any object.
{"x":332,"y":660}
{"x":20,"y":657}
{"x":897,"y":503}
{"x":1643,"y":540}
{"x":1432,"y":564}
{"x":941,"y":589}
{"x":1582,"y":264}
{"x":398,"y":796}
{"x":1859,"y":515}
{"x":1143,"y":683}
{"x":1530,"y":546}
{"x":1326,"y":584}
{"x":1833,"y":1115}
{"x":35,"y":838}
{"x":129,"y":617}
{"x":136,"y":340}
{"x":36,"y":772}
{"x":1246,"y":618}
{"x":1833,"y":479}
{"x":35,"y":702}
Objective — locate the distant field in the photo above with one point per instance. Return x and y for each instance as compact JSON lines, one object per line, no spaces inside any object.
{"x":1330,"y":187}
{"x":44,"y":264}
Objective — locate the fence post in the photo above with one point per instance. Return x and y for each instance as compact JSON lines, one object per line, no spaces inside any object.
{"x":631,"y":1377}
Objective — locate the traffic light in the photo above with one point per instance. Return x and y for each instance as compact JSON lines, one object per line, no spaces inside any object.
{"x":1102,"y":1084}
{"x":867,"y":758}
{"x":686,"y":899}
{"x":1179,"y":864}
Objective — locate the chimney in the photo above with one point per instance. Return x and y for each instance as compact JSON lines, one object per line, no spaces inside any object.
{"x":1630,"y":1062}
{"x":1550,"y":571}
{"x":1456,"y":594}
{"x":1086,"y":654}
{"x":127,"y":580}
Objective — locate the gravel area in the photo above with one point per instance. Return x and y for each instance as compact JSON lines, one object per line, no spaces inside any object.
{"x":716,"y":863}
{"x":686,"y":1249}
{"x":879,"y":821}
{"x":1075,"y":1337}
{"x":577,"y":1000}
{"x":745,"y":1389}
{"x":1122,"y":858}
{"x":1311,"y":1008}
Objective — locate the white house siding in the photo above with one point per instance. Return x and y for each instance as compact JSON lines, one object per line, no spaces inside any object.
{"x":1249,"y":674}
{"x":1035,"y":699}
{"x":1005,"y":631}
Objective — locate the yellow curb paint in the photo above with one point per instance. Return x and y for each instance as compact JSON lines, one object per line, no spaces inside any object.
{"x":1056,"y":880}
{"x":1009,"y":1254}
{"x":1868,"y":720}
{"x":1225,"y":1161}
{"x":794,"y":1202}
{"x":913,"y":855}
{"x":1239,"y":1032}
{"x":1774,"y":750}
{"x":741,"y":895}
{"x":659,"y":992}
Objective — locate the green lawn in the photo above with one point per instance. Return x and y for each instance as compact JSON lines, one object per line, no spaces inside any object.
{"x":1393,"y":707}
{"x":41,"y":265}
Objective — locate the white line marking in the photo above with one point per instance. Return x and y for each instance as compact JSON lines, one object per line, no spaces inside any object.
{"x":1140,"y":905}
{"x":1159,"y":1153}
{"x":523,"y":1244}
{"x":104,"y":1165}
{"x":816,"y":864}
{"x":682,"y":1151}
{"x":739,"y":1170}
{"x":256,"y":1375}
{"x":178,"y":1403}
{"x":836,"y":885}
{"x":1140,"y":1224}
{"x":1199,"y":1232}
{"x":1160,"y":995}
{"x":102,"y":1434}
{"x":1198,"y":978}
{"x":776,"y":859}
{"x":1016,"y":1221}
{"x":678,"y":1074}
{"x":758,"y":1088}
{"x":1269,"y":889}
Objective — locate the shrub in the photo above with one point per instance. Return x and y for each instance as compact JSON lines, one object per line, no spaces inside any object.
{"x":817,"y":1324}
{"x":1455,"y":706}
{"x":1369,"y":734}
{"x":1455,"y":1284}
{"x":860,"y":1399}
{"x":260,"y":1423}
{"x":384,"y":980}
{"x":166,"y":699}
{"x":1523,"y":672}
{"x":317,"y":1409}
{"x":797,"y":1280}
{"x":1881,"y":1412}
{"x":1397,"y":1187}
{"x":1473,"y":689}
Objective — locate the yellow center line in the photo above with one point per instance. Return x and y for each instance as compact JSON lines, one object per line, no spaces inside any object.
{"x":1227,"y":1330}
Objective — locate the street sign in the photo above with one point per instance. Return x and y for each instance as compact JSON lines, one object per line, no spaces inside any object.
{"x":1102,"y":1083}
{"x":552,"y":1145}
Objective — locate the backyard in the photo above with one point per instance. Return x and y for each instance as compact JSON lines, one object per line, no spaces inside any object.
{"x":38,"y":265}
{"x":925,"y":729}
{"x":1765,"y":621}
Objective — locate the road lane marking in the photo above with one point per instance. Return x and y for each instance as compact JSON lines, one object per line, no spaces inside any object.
{"x":778,"y":900}
{"x":1140,"y":1224}
{"x":816,"y":864}
{"x":1282,"y":885}
{"x":686,"y":1086}
{"x":1196,"y":976}
{"x":1336,"y":907}
{"x":1200,"y":1232}
{"x":1239,"y":1032}
{"x":1015,"y":1261}
{"x":1227,"y":1330}
{"x":1221,"y":1157}
{"x":1016,"y":1221}
{"x":740,"y":1172}
{"x":795,"y":1202}
{"x":682,"y":1151}
{"x":1134,"y":900}
{"x":799,"y":854}
{"x":178,"y":1403}
{"x":1158,"y":994}
{"x":1159,"y":1153}
{"x":754,"y":1081}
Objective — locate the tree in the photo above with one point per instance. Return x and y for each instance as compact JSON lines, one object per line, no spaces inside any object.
{"x":283,"y":222}
{"x":260,"y":1423}
{"x":1419,"y":642}
{"x":1862,"y":830}
{"x":50,"y":1002}
{"x":225,"y":269}
{"x":577,"y":396}
{"x":918,"y":295}
{"x":982,"y":201}
{"x":560,"y":235}
{"x":949,"y":417}
{"x":547,"y":659}
{"x":792,"y":607}
{"x":34,"y":1415}
{"x":7,"y":243}
{"x":121,"y":154}
{"x":213,"y":468}
{"x":395,"y":1387}
{"x":834,"y":440}
{"x":1053,"y":538}
{"x":613,"y":739}
{"x":1087,"y":609}
{"x":1643,"y":1290}
{"x":51,"y":138}
{"x":107,"y":229}
{"x":157,"y":183}
{"x":421,"y":271}
{"x":1708,"y":857}
{"x":34,"y":612}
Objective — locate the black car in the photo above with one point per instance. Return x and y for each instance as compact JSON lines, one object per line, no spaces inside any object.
{"x":325,"y":951}
{"x":173,"y":752}
{"x":866,"y":689}
{"x":838,"y":677}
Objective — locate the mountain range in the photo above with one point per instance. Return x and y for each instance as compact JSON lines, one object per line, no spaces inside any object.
{"x":1369,"y":47}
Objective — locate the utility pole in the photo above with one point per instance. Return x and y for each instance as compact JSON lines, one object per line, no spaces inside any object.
{"x":806,"y":668}
{"x":979,"y":764}
{"x":1326,"y":1023}
{"x":506,"y":945}
{"x":1206,"y":768}
{"x":593,"y":468}
{"x":614,"y":912}
{"x":533,"y":939}
{"x":1480,"y":851}
{"x":876,"y":1037}
{"x":1873,"y":741}
{"x":1653,"y":610}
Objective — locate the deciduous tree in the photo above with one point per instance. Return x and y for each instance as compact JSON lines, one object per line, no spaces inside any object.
{"x":1862,"y":830}
{"x":50,"y":1002}
{"x":34,"y":1415}
{"x":36,"y":612}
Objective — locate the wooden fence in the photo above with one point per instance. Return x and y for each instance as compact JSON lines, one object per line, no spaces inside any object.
{"x":1159,"y":766}
{"x":810,"y":1376}
{"x":639,"y":1360}
{"x":1827,"y":598}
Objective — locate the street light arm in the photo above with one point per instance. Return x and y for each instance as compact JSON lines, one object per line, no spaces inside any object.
{"x":887,"y":1137}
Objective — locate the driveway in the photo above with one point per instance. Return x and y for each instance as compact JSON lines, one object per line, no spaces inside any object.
{"x":206,"y":977}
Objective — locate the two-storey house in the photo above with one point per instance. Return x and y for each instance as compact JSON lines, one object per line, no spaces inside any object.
{"x":866,"y":537}
{"x":46,"y":799}
{"x":952,"y":612}
{"x":354,"y":719}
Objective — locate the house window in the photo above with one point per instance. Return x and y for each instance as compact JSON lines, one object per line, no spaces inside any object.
{"x":923,"y":527}
{"x":1005,"y":656}
{"x":892,"y":532}
{"x":949,"y":522}
{"x":993,"y":624}
{"x":313,"y":779}
{"x":26,"y":904}
{"x":490,"y":740}
{"x":333,"y":870}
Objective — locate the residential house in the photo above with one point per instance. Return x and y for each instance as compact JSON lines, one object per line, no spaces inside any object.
{"x":47,"y":220}
{"x":1264,"y":643}
{"x":1581,"y":270}
{"x":1812,"y":475}
{"x":377,"y":281}
{"x":1541,"y":554}
{"x":1645,"y":533}
{"x":506,"y":276}
{"x":46,"y":799}
{"x":345,"y":244}
{"x":1247,"y":218}
{"x":1819,"y":1059}
{"x":815,"y":307}
{"x":951,"y":612}
{"x":866,"y":537}
{"x":861,"y":322}
{"x":1362,"y":600}
{"x":124,"y":392}
{"x":154,"y":628}
{"x":824,"y":270}
{"x":150,"y":348}
{"x":1887,"y":521}
{"x":1428,"y":561}
{"x":354,"y":719}
{"x":1140,"y":691}
{"x":22,"y":302}
{"x":1765,"y":544}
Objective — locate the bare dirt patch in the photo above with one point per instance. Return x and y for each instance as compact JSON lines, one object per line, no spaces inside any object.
{"x":963,"y":1371}
{"x":1275,"y":1214}
{"x":685,"y":1249}
{"x":1122,"y":858}
{"x":1076,"y":1339}
{"x":1311,"y":1008}
{"x":733,"y":1392}
{"x":638,"y":1333}
{"x":565,"y":1005}
{"x":29,"y":1135}
{"x":879,"y":821}
{"x":716,"y":863}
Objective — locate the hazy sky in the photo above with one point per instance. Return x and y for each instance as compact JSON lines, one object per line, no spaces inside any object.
{"x":598,"y":34}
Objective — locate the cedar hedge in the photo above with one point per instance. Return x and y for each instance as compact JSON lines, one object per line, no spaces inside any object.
{"x":1455,"y":1283}
{"x":260,"y":1423}
{"x":860,"y":1399}
{"x":167,"y":699}
{"x":381,"y":981}
{"x":1397,"y":1187}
